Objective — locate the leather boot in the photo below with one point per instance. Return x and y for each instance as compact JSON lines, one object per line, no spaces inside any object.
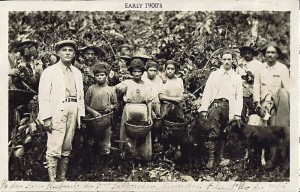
{"x":52,"y":166}
{"x":62,"y":168}
{"x":223,"y":160}
{"x":211,"y":154}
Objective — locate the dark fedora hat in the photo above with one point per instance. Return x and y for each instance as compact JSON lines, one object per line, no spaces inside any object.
{"x":272,"y":44}
{"x":249,"y":46}
{"x":97,"y":50}
{"x":136,"y":64}
{"x":63,"y":43}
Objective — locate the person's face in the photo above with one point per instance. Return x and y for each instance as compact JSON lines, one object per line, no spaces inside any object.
{"x":100,"y":78}
{"x":170,"y":70}
{"x":227,"y":61}
{"x":89,"y":56}
{"x":248,"y":55}
{"x":137,"y":74}
{"x":151,"y":72}
{"x":271,"y":54}
{"x":66,"y":54}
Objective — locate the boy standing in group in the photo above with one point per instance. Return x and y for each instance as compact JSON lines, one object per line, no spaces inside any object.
{"x":101,"y":99}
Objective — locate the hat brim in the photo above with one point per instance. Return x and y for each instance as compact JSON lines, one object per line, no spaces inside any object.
{"x":125,"y":57}
{"x":248,"y":48}
{"x":28,"y":42}
{"x":141,"y":56}
{"x":97,"y":50}
{"x":67,"y":43}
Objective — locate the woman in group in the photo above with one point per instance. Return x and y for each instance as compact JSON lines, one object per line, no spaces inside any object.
{"x":137,"y":98}
{"x":172,"y":93}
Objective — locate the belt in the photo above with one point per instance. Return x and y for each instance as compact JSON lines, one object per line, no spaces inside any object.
{"x":71,"y":99}
{"x":142,"y":102}
{"x":220,"y":102}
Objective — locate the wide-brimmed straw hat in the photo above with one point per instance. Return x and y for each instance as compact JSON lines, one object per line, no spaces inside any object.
{"x":98,"y":50}
{"x":141,"y":53}
{"x":28,"y":42}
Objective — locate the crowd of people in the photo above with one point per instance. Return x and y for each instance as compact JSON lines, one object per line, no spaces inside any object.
{"x":71,"y":89}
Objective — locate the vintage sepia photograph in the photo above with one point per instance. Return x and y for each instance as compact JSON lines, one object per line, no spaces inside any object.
{"x":151,"y":96}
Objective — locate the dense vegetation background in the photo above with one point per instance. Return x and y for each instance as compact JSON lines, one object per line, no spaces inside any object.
{"x":192,"y":38}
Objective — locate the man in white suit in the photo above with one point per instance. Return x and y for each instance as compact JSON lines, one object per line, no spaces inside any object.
{"x":222,"y":101}
{"x":61,"y":106}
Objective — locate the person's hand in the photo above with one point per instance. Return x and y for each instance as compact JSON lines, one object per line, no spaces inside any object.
{"x":204,"y":114}
{"x":48,"y":124}
{"x":14,"y":72}
{"x":82,"y":125}
{"x":87,"y":72}
{"x":154,"y":115}
{"x":96,"y":114}
{"x":256,"y":106}
{"x":150,"y":121}
{"x":235,"y":121}
{"x":178,"y":99}
{"x":109,"y":109}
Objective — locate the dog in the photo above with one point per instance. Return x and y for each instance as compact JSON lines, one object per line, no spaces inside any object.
{"x":257,"y":120}
{"x":258,"y":137}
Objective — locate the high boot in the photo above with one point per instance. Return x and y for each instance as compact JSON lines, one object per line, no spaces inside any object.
{"x":52,"y":166}
{"x":223,"y":160}
{"x":211,"y":154}
{"x":62,"y":168}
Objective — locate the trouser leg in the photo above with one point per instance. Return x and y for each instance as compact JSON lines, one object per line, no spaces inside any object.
{"x":211,"y":154}
{"x":223,"y":160}
{"x":52,"y":166}
{"x":62,"y":168}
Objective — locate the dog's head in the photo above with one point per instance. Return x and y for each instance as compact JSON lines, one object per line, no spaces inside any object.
{"x":235,"y":126}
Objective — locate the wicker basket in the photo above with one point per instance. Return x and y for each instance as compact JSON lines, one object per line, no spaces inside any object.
{"x":98,"y":124}
{"x":174,"y":128}
{"x":137,"y":131}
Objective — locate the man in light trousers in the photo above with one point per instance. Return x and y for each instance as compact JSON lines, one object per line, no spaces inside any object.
{"x":61,"y":106}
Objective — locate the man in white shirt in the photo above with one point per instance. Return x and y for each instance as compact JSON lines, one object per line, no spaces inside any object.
{"x":271,"y":87}
{"x":247,"y":68}
{"x":61,"y":108}
{"x":271,"y":92}
{"x":222,"y":101}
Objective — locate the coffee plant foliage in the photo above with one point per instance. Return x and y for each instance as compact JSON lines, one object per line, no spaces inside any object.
{"x":194,"y":39}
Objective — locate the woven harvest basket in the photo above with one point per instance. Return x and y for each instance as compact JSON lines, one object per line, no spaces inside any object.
{"x":174,"y":128}
{"x":98,"y":124}
{"x":137,"y":131}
